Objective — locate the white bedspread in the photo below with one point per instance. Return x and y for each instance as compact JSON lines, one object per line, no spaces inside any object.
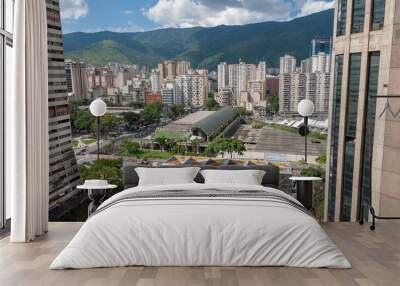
{"x":202,"y":232}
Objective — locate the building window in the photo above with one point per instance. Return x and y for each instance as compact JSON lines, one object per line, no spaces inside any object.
{"x":378,"y":14}
{"x":350,"y":134}
{"x":368,"y":136}
{"x":336,"y":100}
{"x":6,"y":41}
{"x":341,"y":18}
{"x":357,"y":19}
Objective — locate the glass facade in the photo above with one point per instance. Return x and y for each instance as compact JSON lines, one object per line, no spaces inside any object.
{"x":350,"y":134}
{"x":337,"y":94}
{"x":357,"y":18}
{"x":6,"y":29}
{"x":341,"y":18}
{"x":368,"y":138}
{"x":378,"y":14}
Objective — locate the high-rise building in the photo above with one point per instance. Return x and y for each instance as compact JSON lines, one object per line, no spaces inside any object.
{"x":155,"y":80}
{"x":364,"y":125}
{"x":225,"y":97}
{"x":168,"y":93}
{"x":234,"y":78}
{"x":261,"y":71}
{"x":182,"y":68}
{"x":246,"y":73}
{"x":191,"y":89}
{"x":320,"y":46}
{"x":287,"y":64}
{"x":223,"y":75}
{"x":64,"y":171}
{"x":321,"y":63}
{"x":167,"y":70}
{"x":294,"y":87}
{"x":76,"y":76}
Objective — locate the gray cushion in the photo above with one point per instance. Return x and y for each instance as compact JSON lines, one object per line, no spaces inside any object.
{"x":270,"y":179}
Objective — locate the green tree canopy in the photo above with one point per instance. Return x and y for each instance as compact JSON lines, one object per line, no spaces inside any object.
{"x":273,"y":104}
{"x":229,"y":145}
{"x":211,"y":103}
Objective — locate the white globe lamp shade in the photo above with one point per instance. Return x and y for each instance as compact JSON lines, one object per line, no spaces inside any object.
{"x":305,"y":107}
{"x":98,"y":107}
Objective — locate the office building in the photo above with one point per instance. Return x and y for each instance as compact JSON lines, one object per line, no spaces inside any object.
{"x":64,"y":171}
{"x":364,"y":129}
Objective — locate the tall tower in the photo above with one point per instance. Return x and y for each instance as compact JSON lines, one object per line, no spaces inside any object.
{"x":364,"y":126}
{"x":64,"y":172}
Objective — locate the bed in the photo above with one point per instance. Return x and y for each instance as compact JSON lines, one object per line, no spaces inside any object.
{"x":201,"y":224}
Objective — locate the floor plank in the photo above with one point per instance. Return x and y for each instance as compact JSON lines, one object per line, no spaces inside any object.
{"x":375,"y":257}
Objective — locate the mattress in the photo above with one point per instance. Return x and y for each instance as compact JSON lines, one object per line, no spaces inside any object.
{"x":201,"y":225}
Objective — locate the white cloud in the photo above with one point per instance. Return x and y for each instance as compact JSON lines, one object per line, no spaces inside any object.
{"x":128,"y":12}
{"x":189,"y":13}
{"x":311,"y":7}
{"x":73,"y":9}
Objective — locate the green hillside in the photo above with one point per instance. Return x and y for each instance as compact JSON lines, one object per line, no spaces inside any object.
{"x":203,"y":47}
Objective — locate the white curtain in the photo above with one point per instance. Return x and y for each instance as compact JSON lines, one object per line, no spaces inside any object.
{"x":27,"y":147}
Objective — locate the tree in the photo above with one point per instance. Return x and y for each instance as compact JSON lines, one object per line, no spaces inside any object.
{"x":152,"y":113}
{"x":132,"y":120}
{"x":104,"y":169}
{"x":162,"y":141}
{"x":242,"y":111}
{"x":229,"y":145}
{"x":82,"y":120}
{"x":136,"y":104}
{"x":75,"y":104}
{"x":273,"y":104}
{"x":132,"y":147}
{"x":174,"y":111}
{"x":211,"y":103}
{"x":195,"y":143}
{"x":108,"y":123}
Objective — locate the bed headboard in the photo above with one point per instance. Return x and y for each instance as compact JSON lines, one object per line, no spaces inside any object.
{"x":270,"y":179}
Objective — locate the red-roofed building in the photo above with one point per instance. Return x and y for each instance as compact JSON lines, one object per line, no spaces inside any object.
{"x":152,"y":97}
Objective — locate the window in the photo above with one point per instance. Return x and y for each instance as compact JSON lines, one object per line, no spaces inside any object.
{"x":368,"y":136}
{"x":350,"y":134}
{"x":357,"y":19}
{"x":337,"y":94}
{"x":6,"y":29}
{"x":341,"y":18}
{"x":378,"y":14}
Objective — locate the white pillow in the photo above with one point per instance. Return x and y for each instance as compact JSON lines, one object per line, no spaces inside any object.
{"x":246,"y":177}
{"x":166,"y":176}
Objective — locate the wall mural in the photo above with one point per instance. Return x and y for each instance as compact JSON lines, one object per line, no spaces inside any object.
{"x":388,"y":108}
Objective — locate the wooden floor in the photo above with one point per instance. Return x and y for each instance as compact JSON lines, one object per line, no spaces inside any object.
{"x":375,"y":257}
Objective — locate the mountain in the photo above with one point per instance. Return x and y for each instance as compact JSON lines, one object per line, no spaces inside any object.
{"x":203,"y":47}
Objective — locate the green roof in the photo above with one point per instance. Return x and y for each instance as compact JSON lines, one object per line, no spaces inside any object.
{"x":172,"y":135}
{"x":215,"y":121}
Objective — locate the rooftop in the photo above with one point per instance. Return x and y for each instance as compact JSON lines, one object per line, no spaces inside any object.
{"x":374,"y":255}
{"x":193,"y":118}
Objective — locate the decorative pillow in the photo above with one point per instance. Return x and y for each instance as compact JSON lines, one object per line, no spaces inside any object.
{"x":246,"y":177}
{"x":166,"y":176}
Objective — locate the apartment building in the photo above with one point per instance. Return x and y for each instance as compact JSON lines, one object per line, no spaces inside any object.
{"x":287,"y":64}
{"x":223,"y":75}
{"x":364,"y":125}
{"x":76,"y":76}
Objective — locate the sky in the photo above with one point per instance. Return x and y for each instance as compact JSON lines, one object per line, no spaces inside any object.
{"x":144,"y":15}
